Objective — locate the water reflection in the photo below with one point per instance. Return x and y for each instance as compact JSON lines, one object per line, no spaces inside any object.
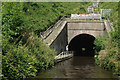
{"x":76,"y":67}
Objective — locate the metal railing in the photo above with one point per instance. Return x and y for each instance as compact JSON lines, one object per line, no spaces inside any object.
{"x":64,"y":54}
{"x":46,"y":33}
{"x":86,"y":17}
{"x":108,"y":21}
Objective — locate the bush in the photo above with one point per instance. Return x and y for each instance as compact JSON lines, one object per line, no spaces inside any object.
{"x":99,"y":45}
{"x":109,"y":57}
{"x":23,"y":61}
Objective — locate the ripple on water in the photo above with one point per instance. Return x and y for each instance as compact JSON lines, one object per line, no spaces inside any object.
{"x":76,"y":67}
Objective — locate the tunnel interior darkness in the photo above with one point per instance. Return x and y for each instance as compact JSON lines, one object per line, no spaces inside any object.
{"x":82,"y":45}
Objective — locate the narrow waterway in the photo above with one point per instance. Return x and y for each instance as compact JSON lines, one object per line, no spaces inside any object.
{"x":76,"y":67}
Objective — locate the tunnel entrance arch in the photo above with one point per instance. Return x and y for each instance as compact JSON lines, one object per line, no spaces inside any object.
{"x":82,"y":45}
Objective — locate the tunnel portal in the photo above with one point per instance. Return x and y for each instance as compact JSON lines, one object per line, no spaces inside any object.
{"x":82,"y":45}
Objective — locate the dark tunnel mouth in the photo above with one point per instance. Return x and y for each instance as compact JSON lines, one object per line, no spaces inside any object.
{"x":82,"y":45}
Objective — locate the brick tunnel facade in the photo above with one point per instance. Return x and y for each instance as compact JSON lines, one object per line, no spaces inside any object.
{"x":81,"y":36}
{"x":92,"y":28}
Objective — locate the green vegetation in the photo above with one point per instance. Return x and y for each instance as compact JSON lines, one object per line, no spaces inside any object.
{"x":24,"y":54}
{"x":108,"y":48}
{"x":25,"y":60}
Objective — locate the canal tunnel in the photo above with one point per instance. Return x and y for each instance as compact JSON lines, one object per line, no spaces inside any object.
{"x":82,"y":45}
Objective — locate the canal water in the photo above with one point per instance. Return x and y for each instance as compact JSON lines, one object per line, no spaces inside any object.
{"x":76,"y":67}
